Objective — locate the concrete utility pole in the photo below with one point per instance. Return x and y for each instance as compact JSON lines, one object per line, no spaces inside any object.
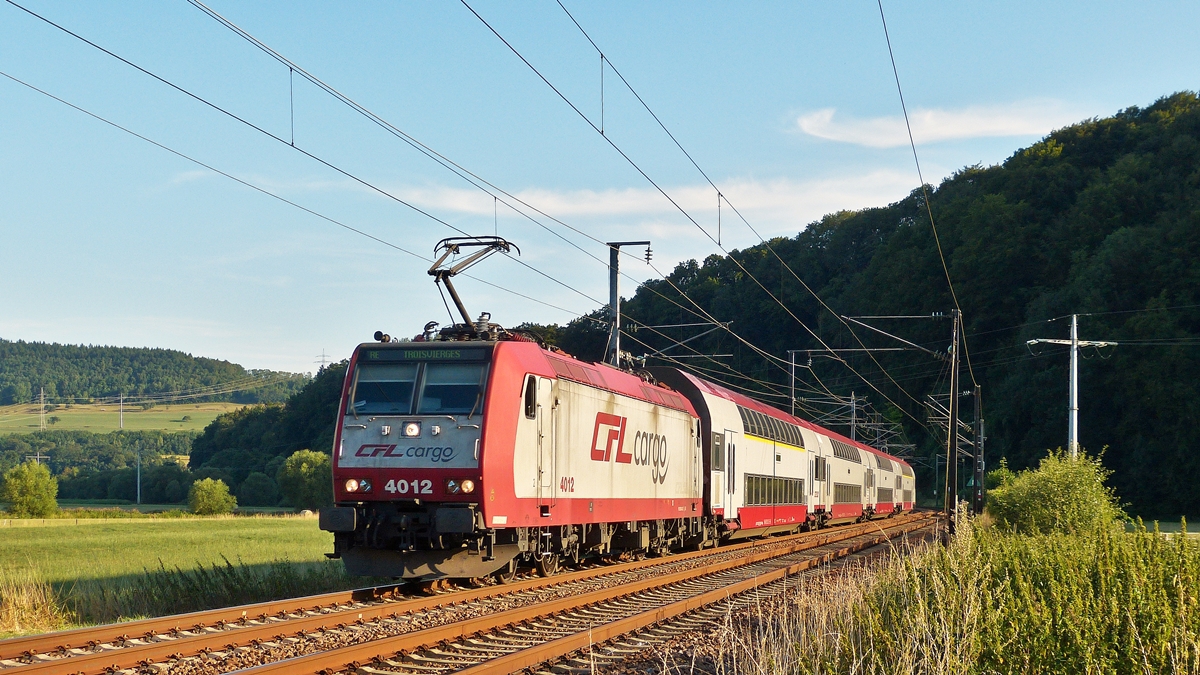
{"x":977,"y":505}
{"x":613,"y":352}
{"x":1073,"y":402}
{"x":121,"y":398}
{"x":42,"y":414}
{"x":853,"y":417}
{"x":951,"y":502}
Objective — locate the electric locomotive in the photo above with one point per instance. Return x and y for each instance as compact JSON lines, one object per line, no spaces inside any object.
{"x":474,"y":450}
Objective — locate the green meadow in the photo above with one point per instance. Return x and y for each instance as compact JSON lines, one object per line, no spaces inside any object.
{"x":57,"y":573}
{"x":25,"y":418}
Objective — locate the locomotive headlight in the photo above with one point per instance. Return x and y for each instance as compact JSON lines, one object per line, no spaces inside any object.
{"x":412,"y":429}
{"x":352,"y":485}
{"x":452,"y":487}
{"x":435,"y":430}
{"x":364,"y":485}
{"x":468,"y":486}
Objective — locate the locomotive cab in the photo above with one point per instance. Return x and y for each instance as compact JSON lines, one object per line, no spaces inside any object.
{"x":407,"y":459}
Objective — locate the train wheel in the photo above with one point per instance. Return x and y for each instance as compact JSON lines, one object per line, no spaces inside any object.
{"x":508,"y":574}
{"x":547,"y":565}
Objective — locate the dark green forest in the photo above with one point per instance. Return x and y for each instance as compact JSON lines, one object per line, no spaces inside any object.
{"x":257,"y":439}
{"x":79,"y":373}
{"x":1101,"y":218}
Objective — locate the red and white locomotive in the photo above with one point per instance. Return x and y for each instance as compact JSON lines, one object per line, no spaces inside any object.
{"x":478,"y":450}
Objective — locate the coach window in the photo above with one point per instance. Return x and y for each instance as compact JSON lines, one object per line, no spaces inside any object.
{"x":718,"y":452}
{"x":531,"y":396}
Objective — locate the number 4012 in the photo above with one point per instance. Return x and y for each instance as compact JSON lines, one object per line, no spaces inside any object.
{"x":403,"y":487}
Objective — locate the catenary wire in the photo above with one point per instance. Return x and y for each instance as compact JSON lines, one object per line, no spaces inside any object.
{"x":677,"y":206}
{"x":456,"y":168}
{"x":924,"y":192}
{"x":722,"y":197}
{"x":276,"y":196}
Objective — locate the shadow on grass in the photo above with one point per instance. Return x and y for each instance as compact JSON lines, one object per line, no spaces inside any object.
{"x":175,"y":590}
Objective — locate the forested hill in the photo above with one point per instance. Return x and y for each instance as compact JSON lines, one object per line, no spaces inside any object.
{"x":1100,"y":218}
{"x":81,"y":373}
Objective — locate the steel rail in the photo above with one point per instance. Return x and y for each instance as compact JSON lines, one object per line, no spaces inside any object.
{"x":351,"y":656}
{"x":561,"y":647}
{"x":122,"y":657}
{"x":327,"y":606}
{"x":79,"y":638}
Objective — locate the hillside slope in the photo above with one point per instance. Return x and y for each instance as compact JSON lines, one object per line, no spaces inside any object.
{"x":1100,"y":218}
{"x":77,"y":372}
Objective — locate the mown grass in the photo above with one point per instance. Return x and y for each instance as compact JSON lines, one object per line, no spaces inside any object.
{"x":61,"y":574}
{"x":24,"y":418}
{"x":1101,"y":601}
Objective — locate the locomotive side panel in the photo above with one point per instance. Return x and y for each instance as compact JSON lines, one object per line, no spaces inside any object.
{"x":609,"y":457}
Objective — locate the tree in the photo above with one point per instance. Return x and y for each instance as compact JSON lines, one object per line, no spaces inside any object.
{"x":30,"y":491}
{"x":258,"y":490}
{"x":210,"y":497}
{"x":306,"y":480}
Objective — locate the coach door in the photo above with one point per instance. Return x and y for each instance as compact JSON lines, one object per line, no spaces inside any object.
{"x":730,"y":471}
{"x":716,"y":485}
{"x":547,"y":438}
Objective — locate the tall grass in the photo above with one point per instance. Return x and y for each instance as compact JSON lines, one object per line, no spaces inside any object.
{"x":174,"y":590}
{"x":28,"y":604}
{"x":1102,"y":601}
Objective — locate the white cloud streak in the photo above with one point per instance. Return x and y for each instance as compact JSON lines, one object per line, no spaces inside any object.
{"x":775,"y":206}
{"x":932,"y":125}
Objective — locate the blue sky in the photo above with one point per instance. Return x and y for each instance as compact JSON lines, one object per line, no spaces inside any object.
{"x":789,"y":107}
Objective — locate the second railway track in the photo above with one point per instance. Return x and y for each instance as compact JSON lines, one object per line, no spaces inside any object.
{"x":499,"y":628}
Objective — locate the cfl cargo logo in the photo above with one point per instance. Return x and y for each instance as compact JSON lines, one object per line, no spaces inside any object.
{"x":436,"y":454}
{"x":608,"y":444}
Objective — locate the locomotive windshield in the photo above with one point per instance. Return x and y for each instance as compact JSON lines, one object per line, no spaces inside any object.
{"x":418,"y":388}
{"x":451,"y":389}
{"x":385,"y":388}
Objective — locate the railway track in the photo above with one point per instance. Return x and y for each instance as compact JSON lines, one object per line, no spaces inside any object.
{"x":494,"y":629}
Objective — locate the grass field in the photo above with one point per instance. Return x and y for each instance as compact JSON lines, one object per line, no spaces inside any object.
{"x":62,"y":551}
{"x":58,"y":573}
{"x":103,"y":418}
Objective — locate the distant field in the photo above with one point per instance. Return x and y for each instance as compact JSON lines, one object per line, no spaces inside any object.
{"x":105,"y":418}
{"x":63,"y":552}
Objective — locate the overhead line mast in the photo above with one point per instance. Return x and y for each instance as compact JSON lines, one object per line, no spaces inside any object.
{"x":1073,"y":394}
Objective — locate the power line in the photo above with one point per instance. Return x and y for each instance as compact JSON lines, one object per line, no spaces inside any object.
{"x":276,"y":196}
{"x":456,"y":168}
{"x":925,"y":193}
{"x":672,"y":201}
{"x":721,"y":197}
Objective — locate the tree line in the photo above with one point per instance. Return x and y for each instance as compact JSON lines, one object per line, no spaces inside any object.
{"x":1100,"y":218}
{"x":82,"y":373}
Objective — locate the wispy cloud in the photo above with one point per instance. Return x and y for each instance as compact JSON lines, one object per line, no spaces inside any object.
{"x":930,"y":125}
{"x":775,"y":206}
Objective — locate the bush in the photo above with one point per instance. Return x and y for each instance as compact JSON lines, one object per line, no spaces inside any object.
{"x":1062,"y":494}
{"x":306,"y":480}
{"x":30,"y":491}
{"x":210,"y":497}
{"x":258,"y":490}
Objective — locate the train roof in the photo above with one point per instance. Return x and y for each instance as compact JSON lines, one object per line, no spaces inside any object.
{"x":747,"y":402}
{"x":563,"y":365}
{"x":604,"y":376}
